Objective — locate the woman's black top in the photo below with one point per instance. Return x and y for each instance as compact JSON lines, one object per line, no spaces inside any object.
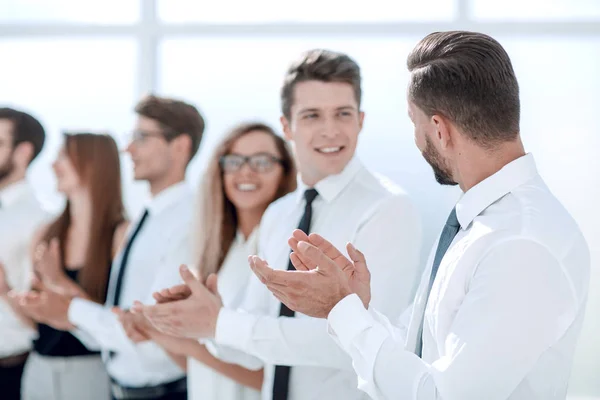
{"x":54,"y":343}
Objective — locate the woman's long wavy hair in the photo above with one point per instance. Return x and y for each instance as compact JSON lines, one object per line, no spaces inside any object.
{"x":96,"y":160}
{"x":217,"y":219}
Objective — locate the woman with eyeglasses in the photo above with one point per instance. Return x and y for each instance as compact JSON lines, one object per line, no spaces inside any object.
{"x":251,"y":168}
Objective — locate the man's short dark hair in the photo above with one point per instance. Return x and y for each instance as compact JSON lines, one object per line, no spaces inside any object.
{"x":176,"y":118}
{"x":320,"y":65}
{"x":468,"y":78}
{"x":25,"y":129}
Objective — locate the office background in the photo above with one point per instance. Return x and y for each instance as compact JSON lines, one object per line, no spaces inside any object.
{"x":83,"y":65}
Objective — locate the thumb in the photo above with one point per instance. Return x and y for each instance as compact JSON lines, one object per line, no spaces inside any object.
{"x":188,"y":277}
{"x":211,"y":284}
{"x":359,"y":261}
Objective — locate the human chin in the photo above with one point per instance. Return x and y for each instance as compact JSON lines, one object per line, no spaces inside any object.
{"x":440,"y":171}
{"x":138,"y":172}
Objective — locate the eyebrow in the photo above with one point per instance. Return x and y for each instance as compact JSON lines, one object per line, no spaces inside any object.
{"x":346,"y":107}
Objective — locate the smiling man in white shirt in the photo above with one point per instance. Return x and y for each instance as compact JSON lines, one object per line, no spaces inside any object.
{"x":21,"y":140}
{"x":337,"y":197}
{"x":167,"y":135}
{"x":501,"y":302}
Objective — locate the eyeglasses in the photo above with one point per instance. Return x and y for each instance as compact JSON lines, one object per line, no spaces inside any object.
{"x":142,"y":137}
{"x":261,"y":162}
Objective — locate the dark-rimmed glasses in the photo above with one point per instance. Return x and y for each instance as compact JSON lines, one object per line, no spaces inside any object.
{"x":260,"y":163}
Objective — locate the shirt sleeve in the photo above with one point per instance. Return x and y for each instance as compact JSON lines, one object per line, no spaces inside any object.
{"x":498,"y":334}
{"x":102,"y":327}
{"x":386,"y":234}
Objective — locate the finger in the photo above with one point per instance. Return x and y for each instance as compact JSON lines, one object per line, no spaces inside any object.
{"x":293,"y":242}
{"x":261,"y":269}
{"x":324,"y":263}
{"x":297,"y":262}
{"x":308,"y":264}
{"x":276,"y":278}
{"x":179,"y":291}
{"x":211,"y":284}
{"x":137,"y":307}
{"x":358,"y":259}
{"x":160,"y":299}
{"x":190,"y":279}
{"x":325,"y":246}
{"x":300,"y":236}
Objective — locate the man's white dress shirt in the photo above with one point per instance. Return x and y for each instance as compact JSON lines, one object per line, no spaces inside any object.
{"x":21,"y":215}
{"x":353,"y":206}
{"x":504,"y":312}
{"x":162,"y":245}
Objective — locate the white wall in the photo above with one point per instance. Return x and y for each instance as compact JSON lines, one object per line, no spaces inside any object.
{"x":90,"y":76}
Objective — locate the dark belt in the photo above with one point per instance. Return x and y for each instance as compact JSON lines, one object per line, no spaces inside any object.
{"x":13,"y":361}
{"x":148,"y":392}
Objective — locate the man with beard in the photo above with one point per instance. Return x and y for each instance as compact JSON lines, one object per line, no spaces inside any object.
{"x":500,"y":305}
{"x":21,"y":140}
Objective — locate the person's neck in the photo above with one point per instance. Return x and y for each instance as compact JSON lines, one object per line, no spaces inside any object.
{"x":311,"y":181}
{"x":476,"y":164}
{"x":80,"y":210}
{"x":11,"y":179}
{"x":248,"y":220}
{"x":158,"y":185}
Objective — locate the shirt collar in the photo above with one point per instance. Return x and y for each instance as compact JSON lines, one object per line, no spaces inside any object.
{"x":241,"y":240}
{"x":330,"y":187}
{"x":168,"y":197}
{"x":13,"y":192}
{"x":488,"y":191}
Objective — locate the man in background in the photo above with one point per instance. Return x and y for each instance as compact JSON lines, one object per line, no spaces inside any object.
{"x":21,"y":141}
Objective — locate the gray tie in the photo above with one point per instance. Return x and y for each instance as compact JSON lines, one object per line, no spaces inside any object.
{"x":450,"y":230}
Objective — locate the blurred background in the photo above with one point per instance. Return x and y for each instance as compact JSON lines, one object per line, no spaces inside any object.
{"x":83,"y":64}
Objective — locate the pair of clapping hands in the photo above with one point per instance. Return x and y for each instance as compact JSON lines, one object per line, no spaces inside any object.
{"x":51,"y":289}
{"x":322,"y":278}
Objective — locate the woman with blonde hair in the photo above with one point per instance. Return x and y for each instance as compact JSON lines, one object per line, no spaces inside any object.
{"x":251,"y":168}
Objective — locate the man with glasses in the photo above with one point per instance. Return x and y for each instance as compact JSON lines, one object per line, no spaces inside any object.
{"x":21,"y":140}
{"x":166,"y":137}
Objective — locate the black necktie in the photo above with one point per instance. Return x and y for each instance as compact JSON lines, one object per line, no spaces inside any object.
{"x":118,"y":286}
{"x":282,"y":372}
{"x":448,"y":233}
